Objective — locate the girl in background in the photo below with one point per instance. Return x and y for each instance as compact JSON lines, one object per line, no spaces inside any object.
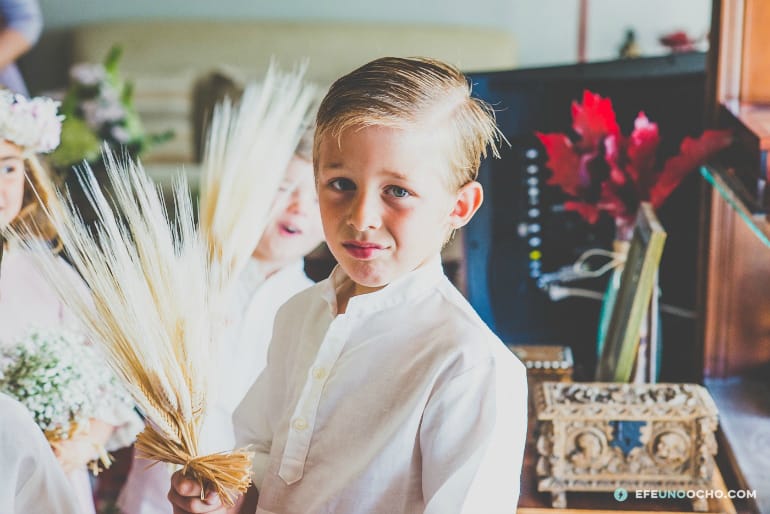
{"x":27,"y":302}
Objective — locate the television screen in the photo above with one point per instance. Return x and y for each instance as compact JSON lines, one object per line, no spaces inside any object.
{"x":522,"y":231}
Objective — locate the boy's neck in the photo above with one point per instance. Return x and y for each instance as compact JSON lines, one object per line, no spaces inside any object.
{"x":348,"y":291}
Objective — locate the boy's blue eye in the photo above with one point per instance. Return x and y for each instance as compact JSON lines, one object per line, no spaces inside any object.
{"x":342,"y":184}
{"x":398,"y":192}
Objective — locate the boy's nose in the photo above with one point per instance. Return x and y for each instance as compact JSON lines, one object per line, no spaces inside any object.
{"x":364,"y":214}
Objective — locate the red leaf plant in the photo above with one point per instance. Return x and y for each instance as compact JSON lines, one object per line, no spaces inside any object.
{"x":605,"y":171}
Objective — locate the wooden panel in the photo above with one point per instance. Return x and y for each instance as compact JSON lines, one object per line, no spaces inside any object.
{"x":744,"y":412}
{"x":755,"y":76}
{"x":737,"y":307}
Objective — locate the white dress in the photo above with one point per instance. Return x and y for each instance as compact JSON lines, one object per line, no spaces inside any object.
{"x":28,"y":303}
{"x":255,"y":304}
{"x":31,"y":480}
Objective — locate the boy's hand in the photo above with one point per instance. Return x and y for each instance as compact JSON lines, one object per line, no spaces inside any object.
{"x":185,"y":496}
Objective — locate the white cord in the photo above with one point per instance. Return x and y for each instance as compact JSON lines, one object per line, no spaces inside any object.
{"x":580,"y":270}
{"x":556,"y":293}
{"x":616,"y":259}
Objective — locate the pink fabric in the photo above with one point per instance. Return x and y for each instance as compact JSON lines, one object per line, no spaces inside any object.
{"x":27,"y":302}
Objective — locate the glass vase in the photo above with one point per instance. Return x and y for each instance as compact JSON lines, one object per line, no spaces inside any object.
{"x":620,"y":249}
{"x":647,"y":365}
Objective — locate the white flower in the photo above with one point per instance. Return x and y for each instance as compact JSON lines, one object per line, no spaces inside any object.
{"x":101,"y":110}
{"x":120,"y":134}
{"x":87,"y":74}
{"x":32,"y":124}
{"x":59,"y":378}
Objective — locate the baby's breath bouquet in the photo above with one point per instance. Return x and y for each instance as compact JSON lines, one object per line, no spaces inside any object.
{"x":61,"y":381}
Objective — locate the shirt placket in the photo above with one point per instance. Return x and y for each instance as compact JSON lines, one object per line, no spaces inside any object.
{"x":303,"y":420}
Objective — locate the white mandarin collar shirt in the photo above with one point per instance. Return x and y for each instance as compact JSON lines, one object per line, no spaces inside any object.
{"x":406,"y":403}
{"x":31,"y":479}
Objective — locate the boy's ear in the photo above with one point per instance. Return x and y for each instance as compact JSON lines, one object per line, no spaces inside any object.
{"x":469,"y":199}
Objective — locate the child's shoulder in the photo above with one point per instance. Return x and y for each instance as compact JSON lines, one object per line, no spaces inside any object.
{"x":459,"y":314}
{"x":462,"y":335}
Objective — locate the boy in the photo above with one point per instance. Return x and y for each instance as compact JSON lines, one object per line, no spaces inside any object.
{"x":384,"y":392}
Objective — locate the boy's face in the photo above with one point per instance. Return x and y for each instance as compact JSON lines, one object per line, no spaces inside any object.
{"x":385,"y":203}
{"x":294,"y":228}
{"x":11,"y":181}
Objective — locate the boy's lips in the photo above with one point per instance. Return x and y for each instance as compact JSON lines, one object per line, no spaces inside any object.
{"x":362,"y":249}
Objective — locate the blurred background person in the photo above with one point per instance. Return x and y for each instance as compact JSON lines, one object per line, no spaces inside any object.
{"x":22,"y":24}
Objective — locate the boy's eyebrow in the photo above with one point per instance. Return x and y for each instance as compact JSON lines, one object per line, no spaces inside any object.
{"x":396,"y":174}
{"x":9,"y":158}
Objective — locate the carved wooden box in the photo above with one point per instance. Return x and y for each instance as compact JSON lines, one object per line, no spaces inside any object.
{"x":604,"y":436}
{"x":544,"y":363}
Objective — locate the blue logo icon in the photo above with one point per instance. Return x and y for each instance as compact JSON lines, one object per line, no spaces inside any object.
{"x":620,"y":494}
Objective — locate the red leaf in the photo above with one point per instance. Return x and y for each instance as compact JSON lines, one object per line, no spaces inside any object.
{"x":642,"y":151}
{"x":594,"y":119}
{"x":588,"y":212}
{"x":611,"y":202}
{"x":692,"y":153}
{"x":563,"y":161}
{"x":613,"y":155}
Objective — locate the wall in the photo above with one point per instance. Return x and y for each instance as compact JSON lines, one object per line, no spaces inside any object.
{"x":546,"y":29}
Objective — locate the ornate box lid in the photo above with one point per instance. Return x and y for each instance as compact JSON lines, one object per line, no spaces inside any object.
{"x":619,"y":401}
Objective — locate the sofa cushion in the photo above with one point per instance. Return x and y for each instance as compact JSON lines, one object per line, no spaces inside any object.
{"x":165,"y":58}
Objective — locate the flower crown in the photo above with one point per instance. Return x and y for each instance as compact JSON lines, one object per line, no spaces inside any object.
{"x":32,"y":124}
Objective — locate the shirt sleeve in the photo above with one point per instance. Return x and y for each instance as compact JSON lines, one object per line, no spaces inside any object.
{"x":472,"y":440}
{"x":23,"y":16}
{"x":251,"y":421}
{"x":253,"y":429}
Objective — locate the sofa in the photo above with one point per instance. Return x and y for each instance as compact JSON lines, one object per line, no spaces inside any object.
{"x":166,"y":59}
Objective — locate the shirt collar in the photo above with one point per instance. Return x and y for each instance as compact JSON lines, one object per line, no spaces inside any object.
{"x":402,"y":290}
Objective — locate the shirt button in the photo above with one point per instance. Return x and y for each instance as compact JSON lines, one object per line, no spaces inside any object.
{"x":319,"y":373}
{"x":299,"y":424}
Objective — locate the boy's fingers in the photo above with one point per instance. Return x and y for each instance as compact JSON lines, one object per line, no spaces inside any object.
{"x":184,"y":486}
{"x":212,"y":498}
{"x":185,"y":496}
{"x":192,"y":504}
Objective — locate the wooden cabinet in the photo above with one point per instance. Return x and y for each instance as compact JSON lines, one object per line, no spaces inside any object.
{"x":735,"y":292}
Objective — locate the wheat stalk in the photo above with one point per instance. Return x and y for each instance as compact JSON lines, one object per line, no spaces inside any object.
{"x":158,"y":285}
{"x":154,"y":305}
{"x":248,"y":148}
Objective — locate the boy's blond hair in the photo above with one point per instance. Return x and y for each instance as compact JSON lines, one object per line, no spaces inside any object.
{"x":407,"y":92}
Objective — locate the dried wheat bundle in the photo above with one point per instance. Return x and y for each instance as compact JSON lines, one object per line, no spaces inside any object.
{"x":247,"y":150}
{"x":158,"y":310}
